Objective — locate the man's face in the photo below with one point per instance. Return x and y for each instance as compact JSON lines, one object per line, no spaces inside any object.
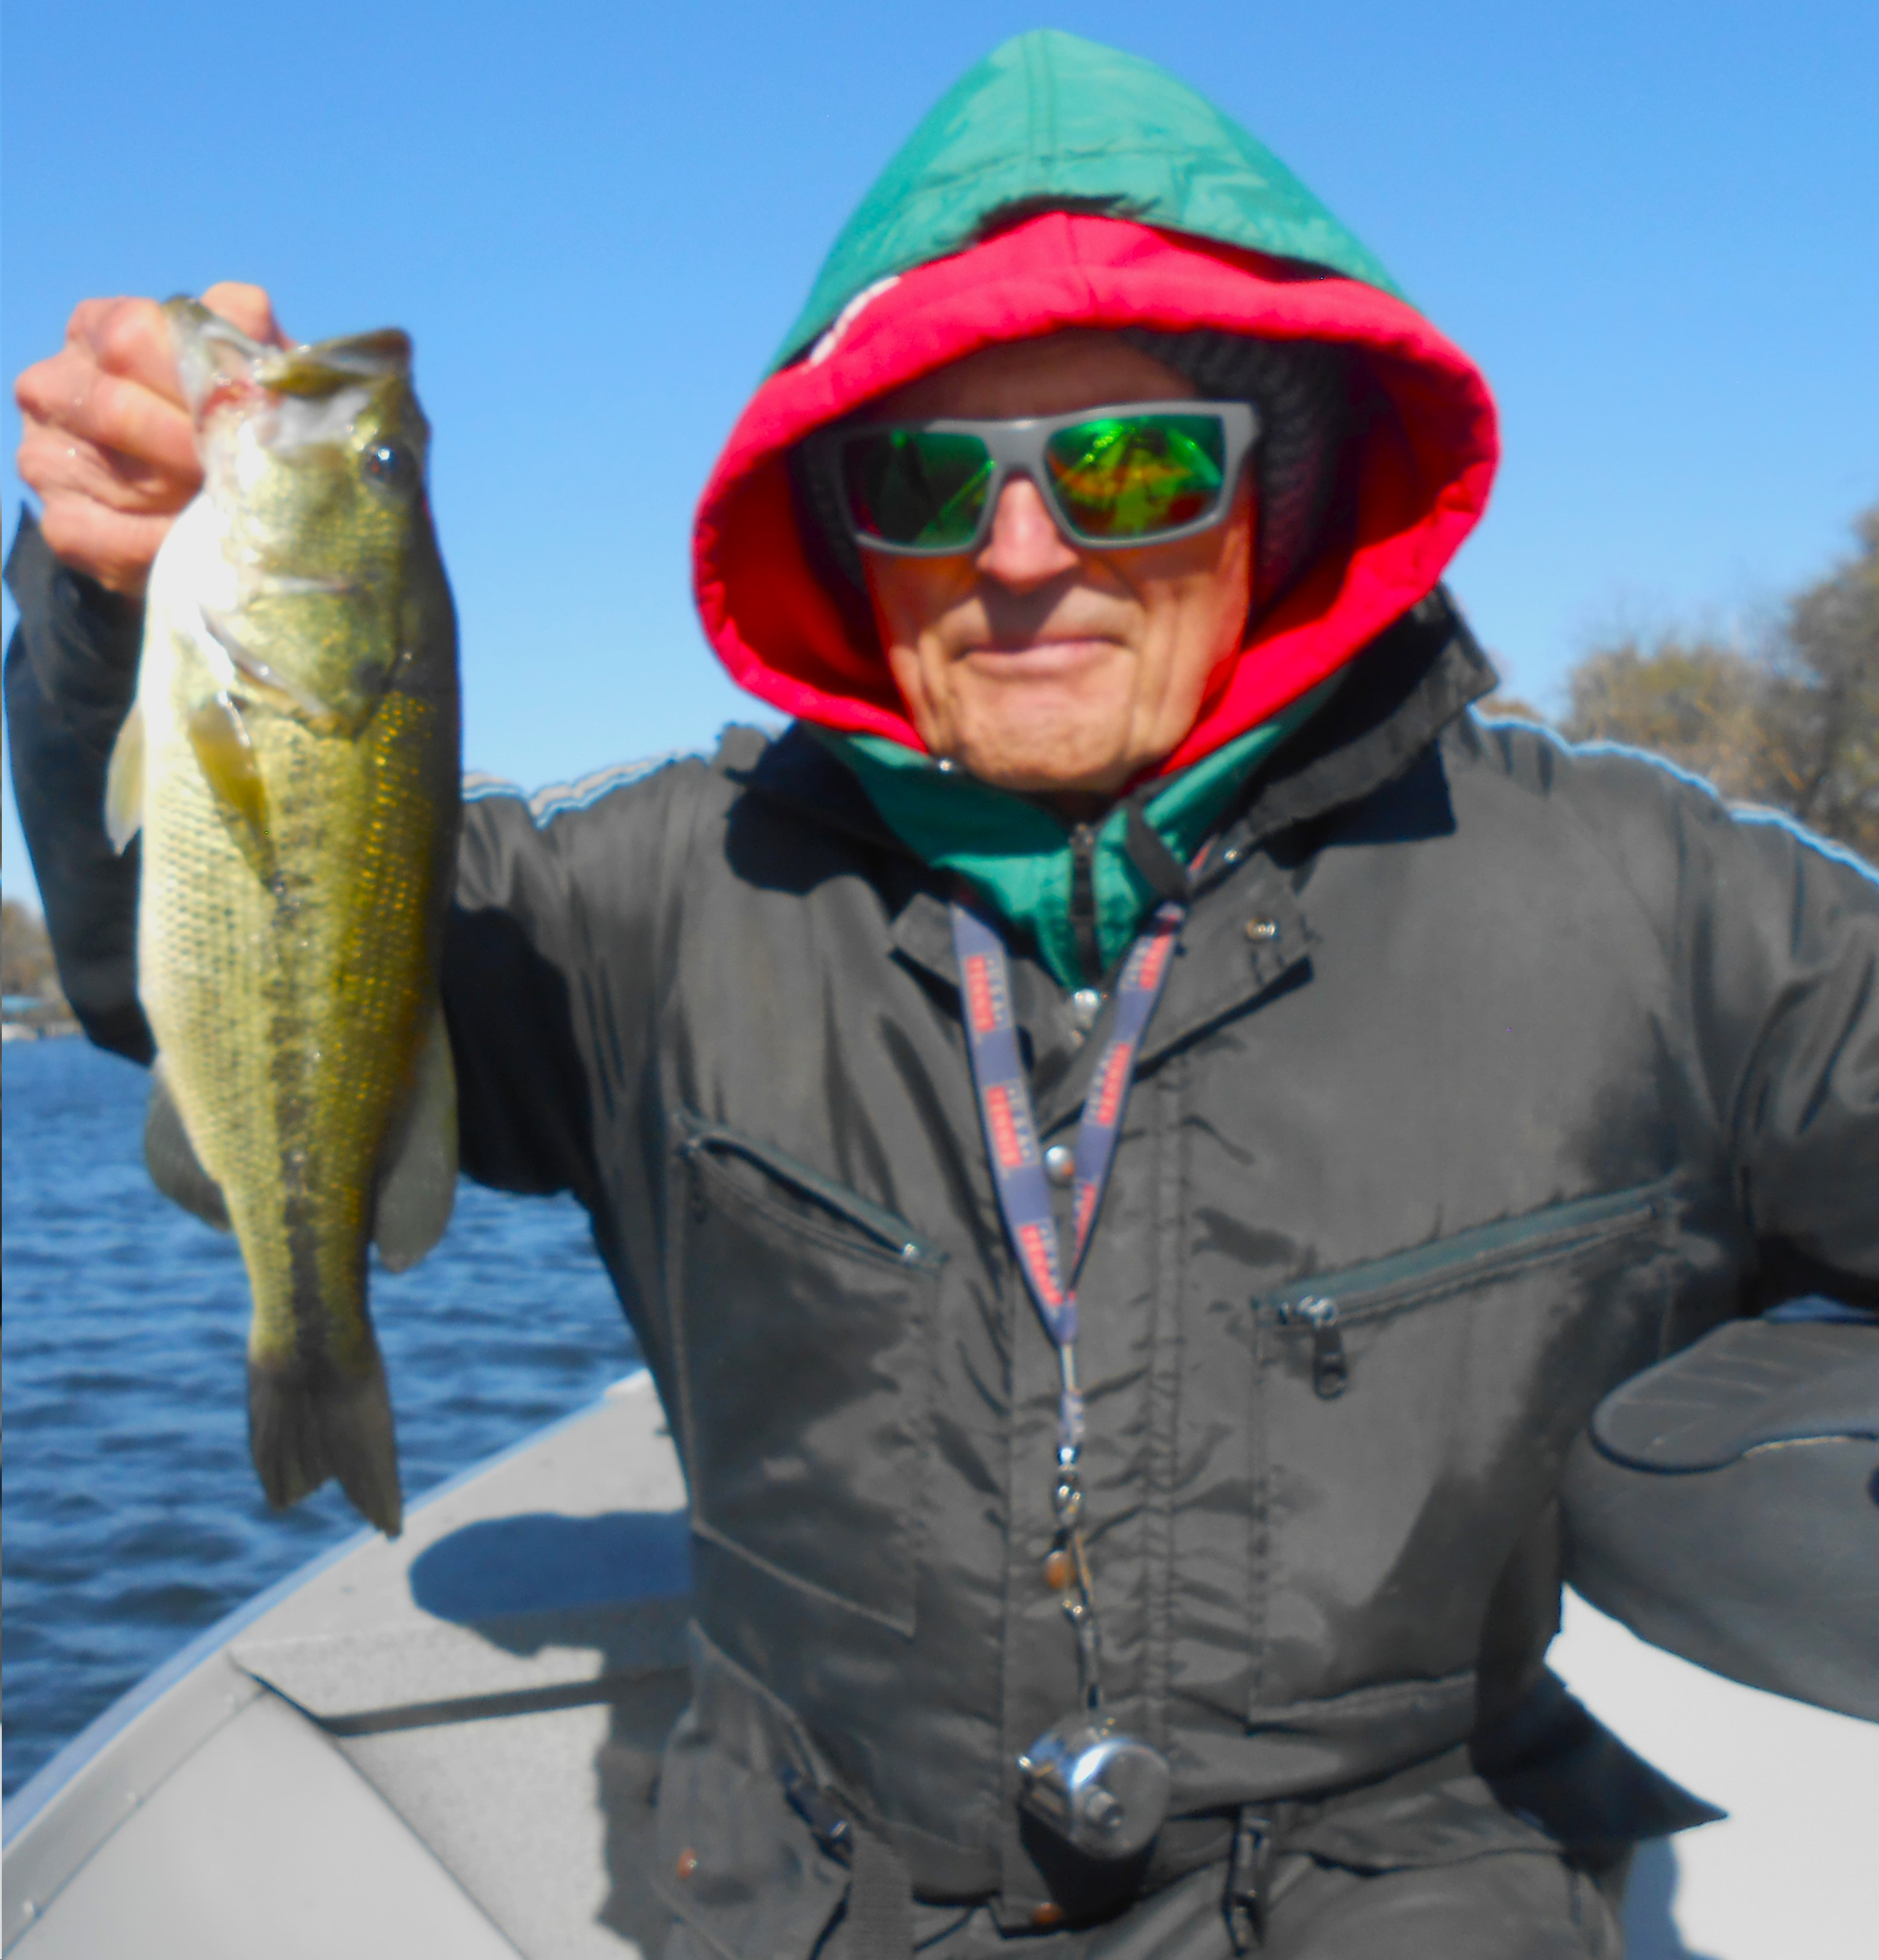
{"x":1042,"y":664}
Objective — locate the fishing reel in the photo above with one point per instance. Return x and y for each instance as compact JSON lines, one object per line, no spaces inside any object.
{"x":1104,"y":1792}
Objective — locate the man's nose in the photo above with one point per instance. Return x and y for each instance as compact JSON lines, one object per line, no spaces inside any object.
{"x":1025,"y":549}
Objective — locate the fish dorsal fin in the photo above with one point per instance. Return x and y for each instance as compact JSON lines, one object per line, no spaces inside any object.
{"x":175,"y":1168}
{"x":124,"y":782}
{"x":418,"y":1186}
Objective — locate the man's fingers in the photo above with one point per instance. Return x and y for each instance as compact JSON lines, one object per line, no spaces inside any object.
{"x":53,"y":464}
{"x":108,"y":442}
{"x":248,"y":307}
{"x":74,"y":400}
{"x":113,"y":549}
{"x":113,"y":384}
{"x":128,"y":338}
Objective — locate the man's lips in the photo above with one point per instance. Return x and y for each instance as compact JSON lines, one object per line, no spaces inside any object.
{"x":1042,"y":659}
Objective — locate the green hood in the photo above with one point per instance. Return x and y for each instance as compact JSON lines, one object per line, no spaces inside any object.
{"x":1050,"y":121}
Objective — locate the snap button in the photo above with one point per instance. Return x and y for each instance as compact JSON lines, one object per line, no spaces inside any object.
{"x":1085,"y":1004}
{"x":1060,"y":1163}
{"x":1261,"y":928}
{"x":1050,"y":1913}
{"x":687,"y":1863}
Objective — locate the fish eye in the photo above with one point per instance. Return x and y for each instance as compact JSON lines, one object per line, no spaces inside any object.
{"x":391,"y":467}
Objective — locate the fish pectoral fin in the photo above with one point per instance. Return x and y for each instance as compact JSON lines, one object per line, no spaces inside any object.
{"x":175,"y":1168}
{"x":307,"y":1424}
{"x":124,"y":783}
{"x":418,"y":1185}
{"x":225,"y":755}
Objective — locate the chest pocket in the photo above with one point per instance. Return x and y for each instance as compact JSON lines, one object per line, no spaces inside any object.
{"x":803,"y":1350}
{"x":1413,"y":1414}
{"x":1591,"y":1234}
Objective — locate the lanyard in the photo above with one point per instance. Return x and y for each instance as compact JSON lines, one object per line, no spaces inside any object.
{"x":1017,"y":1170}
{"x":1011,"y":1129}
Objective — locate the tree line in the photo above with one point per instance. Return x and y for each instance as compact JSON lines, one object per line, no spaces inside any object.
{"x":1790,"y":722}
{"x":26,"y":955}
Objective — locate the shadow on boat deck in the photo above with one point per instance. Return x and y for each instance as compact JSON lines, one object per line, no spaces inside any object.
{"x":541,"y":1561}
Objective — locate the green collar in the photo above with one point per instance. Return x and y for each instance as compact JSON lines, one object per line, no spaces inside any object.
{"x":1021,"y":855}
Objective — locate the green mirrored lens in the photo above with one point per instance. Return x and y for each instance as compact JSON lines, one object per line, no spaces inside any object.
{"x":916,"y":487}
{"x":1128,"y":476}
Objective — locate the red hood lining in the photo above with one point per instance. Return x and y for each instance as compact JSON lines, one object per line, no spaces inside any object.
{"x":1418,"y":483}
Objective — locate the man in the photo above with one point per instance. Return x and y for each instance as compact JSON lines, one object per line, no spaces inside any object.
{"x":1091,"y":526}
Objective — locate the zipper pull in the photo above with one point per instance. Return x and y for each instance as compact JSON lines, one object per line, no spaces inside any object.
{"x":1083,"y":920}
{"x":1331,"y":1367}
{"x":1246,"y":1883}
{"x":830,"y":1828}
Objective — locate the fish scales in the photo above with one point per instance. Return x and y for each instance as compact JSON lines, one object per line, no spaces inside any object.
{"x":296,"y":765}
{"x":287,"y":1015}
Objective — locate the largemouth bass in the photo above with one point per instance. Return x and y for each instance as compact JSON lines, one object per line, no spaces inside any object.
{"x":292,"y":764}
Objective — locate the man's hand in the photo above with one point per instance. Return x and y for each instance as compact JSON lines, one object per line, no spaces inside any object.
{"x":108,"y":445}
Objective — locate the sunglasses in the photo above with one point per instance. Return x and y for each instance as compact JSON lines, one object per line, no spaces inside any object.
{"x":1138,"y":473}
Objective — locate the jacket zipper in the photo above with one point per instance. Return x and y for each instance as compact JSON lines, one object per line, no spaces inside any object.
{"x":1330,"y":1366}
{"x":1328,"y":1304}
{"x":1083,"y":901}
{"x":892,"y":1233}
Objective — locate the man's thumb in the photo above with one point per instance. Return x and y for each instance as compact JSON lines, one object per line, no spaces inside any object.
{"x":248,"y":307}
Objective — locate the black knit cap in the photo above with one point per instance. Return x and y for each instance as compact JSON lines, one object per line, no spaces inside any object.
{"x":1304,"y":391}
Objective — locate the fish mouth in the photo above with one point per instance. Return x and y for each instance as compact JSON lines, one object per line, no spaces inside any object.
{"x":323,"y":366}
{"x":322,"y":713}
{"x":220,"y":364}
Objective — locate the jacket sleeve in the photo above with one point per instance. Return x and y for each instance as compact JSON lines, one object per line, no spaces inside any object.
{"x":71,"y":674}
{"x":1678,"y":1520}
{"x":550,"y":952}
{"x":1778,"y":940}
{"x":553,"y":963}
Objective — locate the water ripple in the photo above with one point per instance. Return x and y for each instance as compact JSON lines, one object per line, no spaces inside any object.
{"x":133,"y":1519}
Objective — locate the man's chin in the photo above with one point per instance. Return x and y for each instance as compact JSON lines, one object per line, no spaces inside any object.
{"x":1064,"y":767}
{"x":1047,"y":734}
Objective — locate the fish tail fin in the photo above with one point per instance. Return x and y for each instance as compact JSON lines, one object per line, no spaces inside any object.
{"x":305,"y":1426}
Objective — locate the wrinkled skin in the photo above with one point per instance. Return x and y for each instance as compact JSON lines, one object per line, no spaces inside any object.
{"x":1038,"y":664}
{"x":109,"y":447}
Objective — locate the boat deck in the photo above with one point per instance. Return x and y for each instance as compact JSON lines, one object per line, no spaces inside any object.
{"x":446,"y":1745}
{"x":441,"y":1744}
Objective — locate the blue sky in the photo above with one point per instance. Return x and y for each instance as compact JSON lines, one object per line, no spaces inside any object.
{"x":1655,"y":224}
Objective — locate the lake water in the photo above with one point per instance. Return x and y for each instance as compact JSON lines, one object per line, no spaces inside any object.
{"x":131,"y":1516}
